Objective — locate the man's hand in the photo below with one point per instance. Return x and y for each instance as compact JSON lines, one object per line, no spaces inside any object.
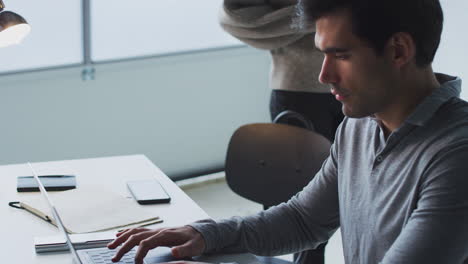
{"x":185,"y":242}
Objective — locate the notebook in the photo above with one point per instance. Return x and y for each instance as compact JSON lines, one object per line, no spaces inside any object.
{"x":90,"y":209}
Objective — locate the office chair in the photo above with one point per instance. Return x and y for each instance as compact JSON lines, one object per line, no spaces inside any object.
{"x":269,"y":163}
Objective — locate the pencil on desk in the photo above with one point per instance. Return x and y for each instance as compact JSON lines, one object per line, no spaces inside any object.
{"x":156,"y":221}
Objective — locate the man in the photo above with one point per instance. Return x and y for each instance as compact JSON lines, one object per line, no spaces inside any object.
{"x":396,"y":179}
{"x":266,"y":25}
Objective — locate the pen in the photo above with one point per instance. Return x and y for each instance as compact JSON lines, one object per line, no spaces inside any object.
{"x":157,"y":221}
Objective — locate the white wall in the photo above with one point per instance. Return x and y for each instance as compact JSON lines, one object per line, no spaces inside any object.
{"x":148,"y":27}
{"x":179,"y":110}
{"x":452,"y":55}
{"x":55,"y":38}
{"x":118,"y":30}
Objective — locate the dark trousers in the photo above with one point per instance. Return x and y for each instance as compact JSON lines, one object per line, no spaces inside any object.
{"x":322,"y":109}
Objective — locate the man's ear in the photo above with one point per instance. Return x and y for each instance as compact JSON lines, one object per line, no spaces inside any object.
{"x":402,"y":48}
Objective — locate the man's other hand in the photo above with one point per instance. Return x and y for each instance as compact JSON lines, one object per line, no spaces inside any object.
{"x":185,"y":242}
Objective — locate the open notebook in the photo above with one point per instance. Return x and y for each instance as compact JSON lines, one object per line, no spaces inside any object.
{"x":91,"y":209}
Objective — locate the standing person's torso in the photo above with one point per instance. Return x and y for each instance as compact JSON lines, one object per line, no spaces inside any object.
{"x":269,"y":25}
{"x":297,"y":66}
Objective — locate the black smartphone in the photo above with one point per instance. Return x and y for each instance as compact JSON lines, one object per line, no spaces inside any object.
{"x":50,"y":182}
{"x":148,"y":192}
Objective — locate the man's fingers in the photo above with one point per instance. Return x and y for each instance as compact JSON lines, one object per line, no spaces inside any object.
{"x":123,"y":236}
{"x":144,"y":246}
{"x":131,"y":241}
{"x":121,"y":232}
{"x":163,"y":238}
{"x":166,"y":238}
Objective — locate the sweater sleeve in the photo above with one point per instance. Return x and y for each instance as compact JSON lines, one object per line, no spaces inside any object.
{"x":260,"y":24}
{"x":437,"y":231}
{"x":305,"y":221}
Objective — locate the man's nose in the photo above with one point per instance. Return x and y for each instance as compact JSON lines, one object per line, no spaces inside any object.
{"x":328,"y":72}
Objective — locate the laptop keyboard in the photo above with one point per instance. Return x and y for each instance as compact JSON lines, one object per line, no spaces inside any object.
{"x":104,"y":256}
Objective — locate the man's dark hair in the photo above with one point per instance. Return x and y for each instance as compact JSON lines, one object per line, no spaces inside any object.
{"x":376,"y":21}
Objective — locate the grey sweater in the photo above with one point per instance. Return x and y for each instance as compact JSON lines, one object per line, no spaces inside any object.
{"x":267,"y":25}
{"x":398,"y":200}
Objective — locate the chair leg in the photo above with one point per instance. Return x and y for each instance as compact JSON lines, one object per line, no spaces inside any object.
{"x":313,"y":256}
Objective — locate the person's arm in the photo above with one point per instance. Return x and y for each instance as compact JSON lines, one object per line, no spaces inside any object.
{"x":307,"y":220}
{"x":261,"y":24}
{"x":437,"y":231}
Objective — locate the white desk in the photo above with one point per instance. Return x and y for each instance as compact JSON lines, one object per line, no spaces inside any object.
{"x":18,"y":227}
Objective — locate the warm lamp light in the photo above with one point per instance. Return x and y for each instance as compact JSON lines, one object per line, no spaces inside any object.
{"x":13,"y":27}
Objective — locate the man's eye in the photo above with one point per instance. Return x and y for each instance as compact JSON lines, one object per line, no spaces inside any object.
{"x":342,"y":56}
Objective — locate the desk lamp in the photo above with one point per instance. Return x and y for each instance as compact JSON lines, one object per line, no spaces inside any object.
{"x":13,"y":27}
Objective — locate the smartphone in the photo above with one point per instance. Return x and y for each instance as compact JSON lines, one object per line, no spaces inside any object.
{"x":148,"y":192}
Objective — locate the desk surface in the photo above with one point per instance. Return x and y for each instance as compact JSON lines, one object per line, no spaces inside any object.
{"x":20,"y":227}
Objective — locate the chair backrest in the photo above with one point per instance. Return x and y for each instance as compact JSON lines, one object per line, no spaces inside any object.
{"x":269,"y":163}
{"x":294,"y":118}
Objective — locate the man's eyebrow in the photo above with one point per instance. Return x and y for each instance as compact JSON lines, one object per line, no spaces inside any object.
{"x":333,"y":50}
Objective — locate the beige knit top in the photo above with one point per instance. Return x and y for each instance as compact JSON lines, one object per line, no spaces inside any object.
{"x":266,"y":25}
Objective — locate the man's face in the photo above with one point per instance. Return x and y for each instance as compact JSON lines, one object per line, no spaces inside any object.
{"x":359,"y":79}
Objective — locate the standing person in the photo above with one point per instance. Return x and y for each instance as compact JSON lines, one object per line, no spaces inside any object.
{"x":267,"y":25}
{"x":396,"y":179}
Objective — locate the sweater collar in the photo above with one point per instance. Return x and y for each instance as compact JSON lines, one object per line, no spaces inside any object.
{"x":449,"y":87}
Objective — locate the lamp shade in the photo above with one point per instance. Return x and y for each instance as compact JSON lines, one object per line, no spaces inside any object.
{"x":13,"y":28}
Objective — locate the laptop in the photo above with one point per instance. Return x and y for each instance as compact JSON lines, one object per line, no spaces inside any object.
{"x":101,"y":255}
